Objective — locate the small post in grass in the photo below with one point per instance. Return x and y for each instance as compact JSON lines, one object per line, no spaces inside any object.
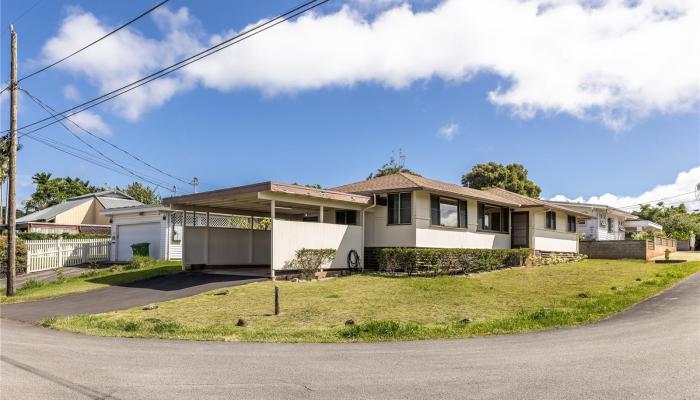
{"x":277,"y":300}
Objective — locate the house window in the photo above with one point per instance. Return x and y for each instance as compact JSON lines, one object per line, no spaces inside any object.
{"x":492,"y":218}
{"x":449,"y":212}
{"x":346,"y":217}
{"x":571,"y":223}
{"x":399,"y":208}
{"x":610,"y":225}
{"x":551,"y":220}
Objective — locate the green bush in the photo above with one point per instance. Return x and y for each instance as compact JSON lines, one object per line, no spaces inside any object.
{"x":31,"y":284}
{"x":138,"y":262}
{"x":310,"y":261}
{"x":21,"y":260}
{"x":445,"y":261}
{"x":54,"y":236}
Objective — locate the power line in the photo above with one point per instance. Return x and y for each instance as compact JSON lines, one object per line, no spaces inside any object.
{"x":98,"y":137}
{"x":131,"y":21}
{"x":86,"y":158}
{"x":158,"y":183}
{"x":657,"y":200}
{"x":181,"y":64}
{"x":25,"y":12}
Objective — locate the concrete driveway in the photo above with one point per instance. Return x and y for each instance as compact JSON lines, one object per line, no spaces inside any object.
{"x":651,"y":351}
{"x":134,"y":294}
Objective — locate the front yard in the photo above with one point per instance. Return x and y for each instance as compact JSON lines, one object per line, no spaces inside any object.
{"x":89,"y":280}
{"x":386,"y":308}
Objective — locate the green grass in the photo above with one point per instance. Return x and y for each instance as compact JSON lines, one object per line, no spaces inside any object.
{"x":385,"y":308}
{"x":89,"y":280}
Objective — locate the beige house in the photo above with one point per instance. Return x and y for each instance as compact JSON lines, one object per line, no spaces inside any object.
{"x":77,"y":214}
{"x":401,"y":210}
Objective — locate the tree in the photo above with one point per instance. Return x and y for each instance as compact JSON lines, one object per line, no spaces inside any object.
{"x":142,"y":193}
{"x":393,"y":166}
{"x":310,"y":185}
{"x":51,"y":191}
{"x":512,"y":177}
{"x":677,"y":222}
{"x":4,"y":170}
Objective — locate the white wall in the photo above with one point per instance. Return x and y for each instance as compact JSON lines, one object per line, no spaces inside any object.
{"x":379,"y":234}
{"x":558,"y":240}
{"x":226,"y":246}
{"x":290,"y":236}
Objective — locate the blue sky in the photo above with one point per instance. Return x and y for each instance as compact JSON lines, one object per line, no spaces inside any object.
{"x":323,"y":122}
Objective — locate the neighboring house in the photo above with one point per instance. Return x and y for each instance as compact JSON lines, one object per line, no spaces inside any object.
{"x":609,"y":223}
{"x":398,"y":210}
{"x":80,"y":214}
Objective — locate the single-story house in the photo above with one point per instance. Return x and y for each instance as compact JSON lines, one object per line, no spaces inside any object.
{"x":264,"y":224}
{"x":609,"y":223}
{"x":80,"y":214}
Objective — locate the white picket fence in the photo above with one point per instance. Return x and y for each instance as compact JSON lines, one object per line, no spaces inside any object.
{"x":48,"y":254}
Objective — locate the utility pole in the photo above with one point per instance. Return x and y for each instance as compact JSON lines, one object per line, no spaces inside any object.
{"x":195,"y":182}
{"x":12,"y":170}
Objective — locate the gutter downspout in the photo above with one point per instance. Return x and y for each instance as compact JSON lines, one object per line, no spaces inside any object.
{"x":362,"y":249}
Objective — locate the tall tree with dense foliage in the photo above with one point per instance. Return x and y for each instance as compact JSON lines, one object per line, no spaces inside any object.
{"x":678,"y":223}
{"x":51,"y":191}
{"x":512,"y":177}
{"x":393,"y":166}
{"x":142,"y":193}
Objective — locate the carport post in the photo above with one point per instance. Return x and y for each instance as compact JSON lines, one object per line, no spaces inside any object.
{"x":272,"y":239}
{"x":206,"y":240}
{"x":183,"y":243}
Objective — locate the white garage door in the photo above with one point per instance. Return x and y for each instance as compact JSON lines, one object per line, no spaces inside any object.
{"x":137,"y":233}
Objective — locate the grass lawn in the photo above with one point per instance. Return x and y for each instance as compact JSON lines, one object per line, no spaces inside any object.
{"x":386,"y":308}
{"x":90,"y":280}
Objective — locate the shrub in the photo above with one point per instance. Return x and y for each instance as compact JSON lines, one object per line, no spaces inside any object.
{"x":138,"y":262}
{"x":392,"y":259}
{"x":435,"y":261}
{"x":31,"y":284}
{"x":310,"y":261}
{"x":53,"y":236}
{"x":60,"y":276}
{"x":21,"y":260}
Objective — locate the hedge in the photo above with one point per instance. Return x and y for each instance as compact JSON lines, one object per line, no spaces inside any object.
{"x":20,"y":261}
{"x":413,"y":260}
{"x":54,"y":236}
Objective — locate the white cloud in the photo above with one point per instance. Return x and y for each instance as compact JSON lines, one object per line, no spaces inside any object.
{"x":682,"y":190}
{"x":614,"y":61}
{"x":448,"y":131}
{"x":91,"y":122}
{"x":71,"y":92}
{"x":125,"y":57}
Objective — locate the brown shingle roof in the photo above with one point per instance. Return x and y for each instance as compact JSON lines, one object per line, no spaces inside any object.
{"x":530,"y":202}
{"x":406,"y":181}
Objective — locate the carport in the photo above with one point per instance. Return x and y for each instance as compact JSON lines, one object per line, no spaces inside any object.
{"x":264,"y":224}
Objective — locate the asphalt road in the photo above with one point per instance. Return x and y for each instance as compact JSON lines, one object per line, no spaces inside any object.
{"x":651,"y":351}
{"x":161,"y":288}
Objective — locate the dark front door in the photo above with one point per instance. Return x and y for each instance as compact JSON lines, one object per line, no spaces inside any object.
{"x":519,"y":235}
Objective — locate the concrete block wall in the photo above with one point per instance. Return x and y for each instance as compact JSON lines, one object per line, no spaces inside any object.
{"x":614,"y":249}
